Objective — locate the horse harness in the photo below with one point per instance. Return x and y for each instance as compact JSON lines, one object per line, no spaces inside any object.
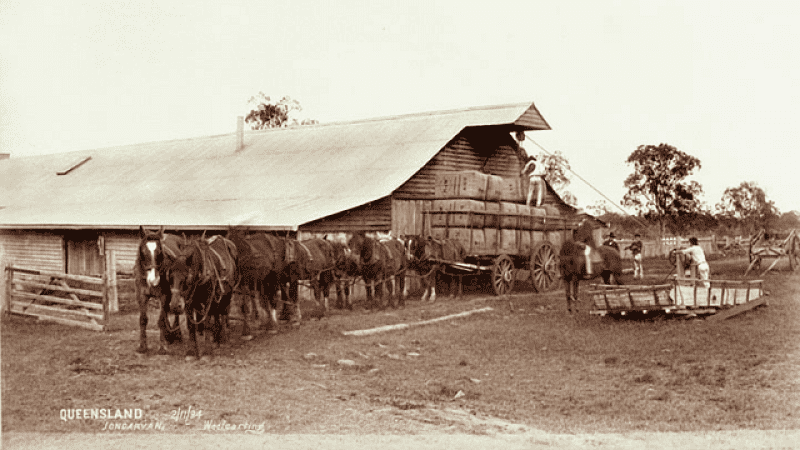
{"x":290,"y":254}
{"x":227,"y":263}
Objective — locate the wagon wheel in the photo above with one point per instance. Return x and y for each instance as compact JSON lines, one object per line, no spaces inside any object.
{"x":503,"y":275}
{"x":544,"y":267}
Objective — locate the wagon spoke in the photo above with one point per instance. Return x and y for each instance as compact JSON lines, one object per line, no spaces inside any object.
{"x":544,"y":268}
{"x":503,"y":275}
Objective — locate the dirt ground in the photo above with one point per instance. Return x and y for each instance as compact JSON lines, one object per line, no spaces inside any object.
{"x":522,"y":374}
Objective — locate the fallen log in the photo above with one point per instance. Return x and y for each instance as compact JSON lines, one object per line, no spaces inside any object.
{"x":403,"y":326}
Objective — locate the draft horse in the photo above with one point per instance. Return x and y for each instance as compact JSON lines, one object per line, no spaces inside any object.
{"x":152,"y":275}
{"x":323,"y":263}
{"x":426,"y":256}
{"x":206,"y":275}
{"x":320,"y":262}
{"x":379,"y":262}
{"x":344,"y":271}
{"x":261,"y":261}
{"x":606,"y":263}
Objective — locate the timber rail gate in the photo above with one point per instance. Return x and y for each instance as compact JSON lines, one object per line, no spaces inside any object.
{"x":68,"y":299}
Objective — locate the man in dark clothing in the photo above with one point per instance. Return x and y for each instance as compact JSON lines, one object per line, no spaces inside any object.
{"x":611,"y":242}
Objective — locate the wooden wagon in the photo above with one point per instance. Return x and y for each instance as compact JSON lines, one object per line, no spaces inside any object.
{"x":501,"y":235}
{"x":762,"y":248}
{"x":682,"y":295}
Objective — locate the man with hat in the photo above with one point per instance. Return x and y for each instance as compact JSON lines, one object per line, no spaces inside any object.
{"x":611,"y":242}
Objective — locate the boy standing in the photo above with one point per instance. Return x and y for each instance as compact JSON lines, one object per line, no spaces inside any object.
{"x":636,"y":249}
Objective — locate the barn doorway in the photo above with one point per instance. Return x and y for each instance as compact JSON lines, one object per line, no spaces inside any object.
{"x":83,"y":253}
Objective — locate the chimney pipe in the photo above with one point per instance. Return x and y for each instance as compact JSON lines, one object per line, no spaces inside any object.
{"x":239,"y":133}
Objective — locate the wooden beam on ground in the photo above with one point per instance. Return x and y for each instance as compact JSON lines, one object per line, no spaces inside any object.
{"x":403,"y":326}
{"x":738,"y":309}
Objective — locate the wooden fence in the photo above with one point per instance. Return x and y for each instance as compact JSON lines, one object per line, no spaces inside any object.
{"x":655,"y":248}
{"x":78,"y":300}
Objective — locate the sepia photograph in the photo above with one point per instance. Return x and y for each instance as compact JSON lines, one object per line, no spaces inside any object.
{"x":399,"y":224}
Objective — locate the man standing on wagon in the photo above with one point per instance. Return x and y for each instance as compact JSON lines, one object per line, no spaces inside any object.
{"x":636,"y":249}
{"x":535,"y":172}
{"x":699,"y":259}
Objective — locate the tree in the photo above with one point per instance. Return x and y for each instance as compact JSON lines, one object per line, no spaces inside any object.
{"x":266,"y":113}
{"x":599,"y":208}
{"x":788,"y":221}
{"x":658,"y":188}
{"x":556,"y":168}
{"x":748,"y":205}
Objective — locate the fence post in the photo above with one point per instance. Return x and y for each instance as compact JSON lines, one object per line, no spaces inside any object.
{"x":111,"y":271}
{"x":105,"y":300}
{"x":5,"y":287}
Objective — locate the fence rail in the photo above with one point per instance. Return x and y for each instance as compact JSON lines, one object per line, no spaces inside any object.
{"x":49,"y":296}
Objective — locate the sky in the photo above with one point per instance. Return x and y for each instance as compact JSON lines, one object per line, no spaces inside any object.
{"x":717,"y":80}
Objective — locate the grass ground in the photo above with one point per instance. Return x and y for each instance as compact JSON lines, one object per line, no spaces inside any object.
{"x":525,"y":363}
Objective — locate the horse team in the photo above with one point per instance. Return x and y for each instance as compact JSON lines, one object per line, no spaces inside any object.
{"x":198,"y":276}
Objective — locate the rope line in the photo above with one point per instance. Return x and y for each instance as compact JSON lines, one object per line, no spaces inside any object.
{"x":594,"y":188}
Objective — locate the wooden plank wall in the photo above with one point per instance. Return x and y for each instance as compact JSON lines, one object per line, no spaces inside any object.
{"x":460,"y":154}
{"x":407,"y":217}
{"x":374,"y":216}
{"x":125,"y":245}
{"x":41,"y":250}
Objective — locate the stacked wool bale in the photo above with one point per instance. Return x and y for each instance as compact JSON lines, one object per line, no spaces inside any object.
{"x":486,"y":213}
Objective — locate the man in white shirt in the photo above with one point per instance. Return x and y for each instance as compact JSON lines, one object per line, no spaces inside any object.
{"x":698,"y":258}
{"x":535,"y":172}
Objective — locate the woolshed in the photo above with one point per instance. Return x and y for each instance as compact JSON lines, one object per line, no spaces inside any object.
{"x":64,"y":211}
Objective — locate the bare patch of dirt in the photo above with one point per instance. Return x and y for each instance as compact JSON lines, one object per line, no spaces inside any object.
{"x":524,"y":367}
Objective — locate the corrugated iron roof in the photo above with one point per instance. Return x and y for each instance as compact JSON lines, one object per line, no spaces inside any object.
{"x":281,"y":179}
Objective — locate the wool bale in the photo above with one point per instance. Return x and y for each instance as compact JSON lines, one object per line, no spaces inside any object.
{"x":445,"y":185}
{"x":509,"y":218}
{"x":551,"y":210}
{"x":490,"y":239}
{"x":464,"y":206}
{"x":511,"y":190}
{"x":439,"y":232}
{"x":556,"y":238}
{"x":491,"y":220}
{"x":494,"y":188}
{"x":463,"y":235}
{"x":525,"y":217}
{"x":524,"y":241}
{"x":440,"y":220}
{"x":472,"y":184}
{"x":508,"y":241}
{"x":477,"y":241}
